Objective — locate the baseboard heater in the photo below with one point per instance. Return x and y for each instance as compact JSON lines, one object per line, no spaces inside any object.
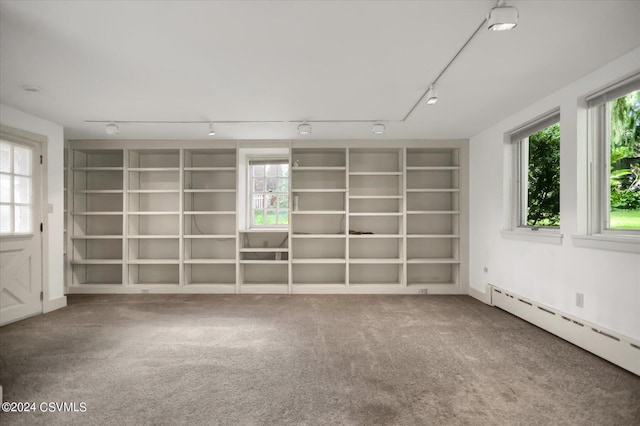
{"x":614,"y":347}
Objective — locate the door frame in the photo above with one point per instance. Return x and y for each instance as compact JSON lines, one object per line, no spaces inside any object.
{"x":12,"y":134}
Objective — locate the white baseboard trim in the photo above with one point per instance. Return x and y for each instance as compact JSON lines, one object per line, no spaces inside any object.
{"x":483,"y":296}
{"x":52,"y":305}
{"x":614,"y":347}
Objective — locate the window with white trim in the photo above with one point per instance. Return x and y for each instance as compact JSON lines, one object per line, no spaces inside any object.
{"x":269,"y":194}
{"x":16,"y":189}
{"x":536,"y":174}
{"x":614,"y":115}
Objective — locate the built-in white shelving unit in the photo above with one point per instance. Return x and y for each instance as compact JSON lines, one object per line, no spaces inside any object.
{"x":365,"y":217}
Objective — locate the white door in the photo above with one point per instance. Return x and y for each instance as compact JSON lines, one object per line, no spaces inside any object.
{"x":20,"y":234}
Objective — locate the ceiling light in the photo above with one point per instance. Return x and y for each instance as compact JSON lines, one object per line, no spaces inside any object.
{"x":432,"y":95}
{"x":377,"y":129}
{"x":502,"y":18}
{"x":112,"y":129}
{"x":212,"y":132}
{"x":304,"y":128}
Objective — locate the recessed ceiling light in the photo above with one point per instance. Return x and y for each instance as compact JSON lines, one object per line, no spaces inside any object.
{"x":377,"y":129}
{"x":112,"y":129}
{"x":304,"y":128}
{"x":30,"y":88}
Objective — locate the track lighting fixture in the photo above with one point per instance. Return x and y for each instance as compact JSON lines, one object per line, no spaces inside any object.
{"x":112,"y":129}
{"x":304,"y":128}
{"x":212,"y":132}
{"x":377,"y":128}
{"x":502,"y":17}
{"x":432,"y":95}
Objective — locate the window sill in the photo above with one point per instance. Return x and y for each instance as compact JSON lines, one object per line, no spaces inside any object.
{"x":629,"y":244}
{"x":546,"y":237}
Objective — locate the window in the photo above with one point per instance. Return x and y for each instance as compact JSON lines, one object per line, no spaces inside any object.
{"x":615,"y":158}
{"x":269,"y":192}
{"x":16,"y":189}
{"x":536,"y":174}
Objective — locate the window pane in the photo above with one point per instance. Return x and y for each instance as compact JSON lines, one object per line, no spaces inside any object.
{"x":258,"y":185}
{"x":272,"y":184}
{"x":5,"y":188}
{"x":5,"y":219}
{"x":624,"y":178}
{"x":283,"y":201}
{"x":284,"y":170}
{"x":283,"y":217}
{"x":5,"y":157}
{"x":271,"y":217}
{"x":258,"y":171}
{"x":22,"y":189}
{"x":283,"y":185}
{"x":258,"y":217}
{"x":258,"y":201}
{"x":543,"y":195}
{"x":271,"y":170}
{"x":22,"y":219}
{"x":22,"y":160}
{"x":272,"y":201}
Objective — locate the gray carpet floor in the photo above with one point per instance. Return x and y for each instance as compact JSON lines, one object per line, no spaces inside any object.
{"x":305,"y":360}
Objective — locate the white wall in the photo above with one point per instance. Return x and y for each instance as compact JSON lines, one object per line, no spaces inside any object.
{"x":54,"y":295}
{"x":552,"y":274}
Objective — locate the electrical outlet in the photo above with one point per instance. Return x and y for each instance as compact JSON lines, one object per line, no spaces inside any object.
{"x":50,"y":208}
{"x":486,"y":269}
{"x":580,"y":300}
{"x":423,"y":291}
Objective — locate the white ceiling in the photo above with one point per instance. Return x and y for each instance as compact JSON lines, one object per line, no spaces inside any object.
{"x":296,"y":60}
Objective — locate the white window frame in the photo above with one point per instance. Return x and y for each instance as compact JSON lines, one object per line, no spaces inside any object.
{"x":280,"y":159}
{"x":517,"y":147}
{"x":12,"y":202}
{"x":598,"y":234}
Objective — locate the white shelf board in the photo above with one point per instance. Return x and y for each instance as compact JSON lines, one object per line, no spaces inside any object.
{"x":209,"y":169}
{"x":319,"y":190}
{"x":97,"y":262}
{"x":154,"y":169}
{"x":433,"y":212}
{"x":371,"y":236}
{"x":375,"y":173}
{"x":319,"y":261}
{"x":97,"y":169}
{"x":96,"y":213}
{"x":375,"y":260}
{"x":153,"y":261}
{"x":264,"y":262}
{"x":259,"y":230}
{"x":98,"y":191}
{"x":433,"y":260}
{"x":210,"y":261}
{"x":431,"y":168}
{"x":410,"y":190}
{"x":323,"y":236}
{"x":264,"y":250}
{"x":211,"y":236}
{"x":433,"y":236}
{"x":96,"y":237}
{"x":317,"y":212}
{"x":318,"y":168}
{"x":375,"y":214}
{"x":153,"y":191}
{"x":151,"y":237}
{"x":209,"y":190}
{"x":375,"y":197}
{"x":210,"y":212}
{"x":154,"y":213}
